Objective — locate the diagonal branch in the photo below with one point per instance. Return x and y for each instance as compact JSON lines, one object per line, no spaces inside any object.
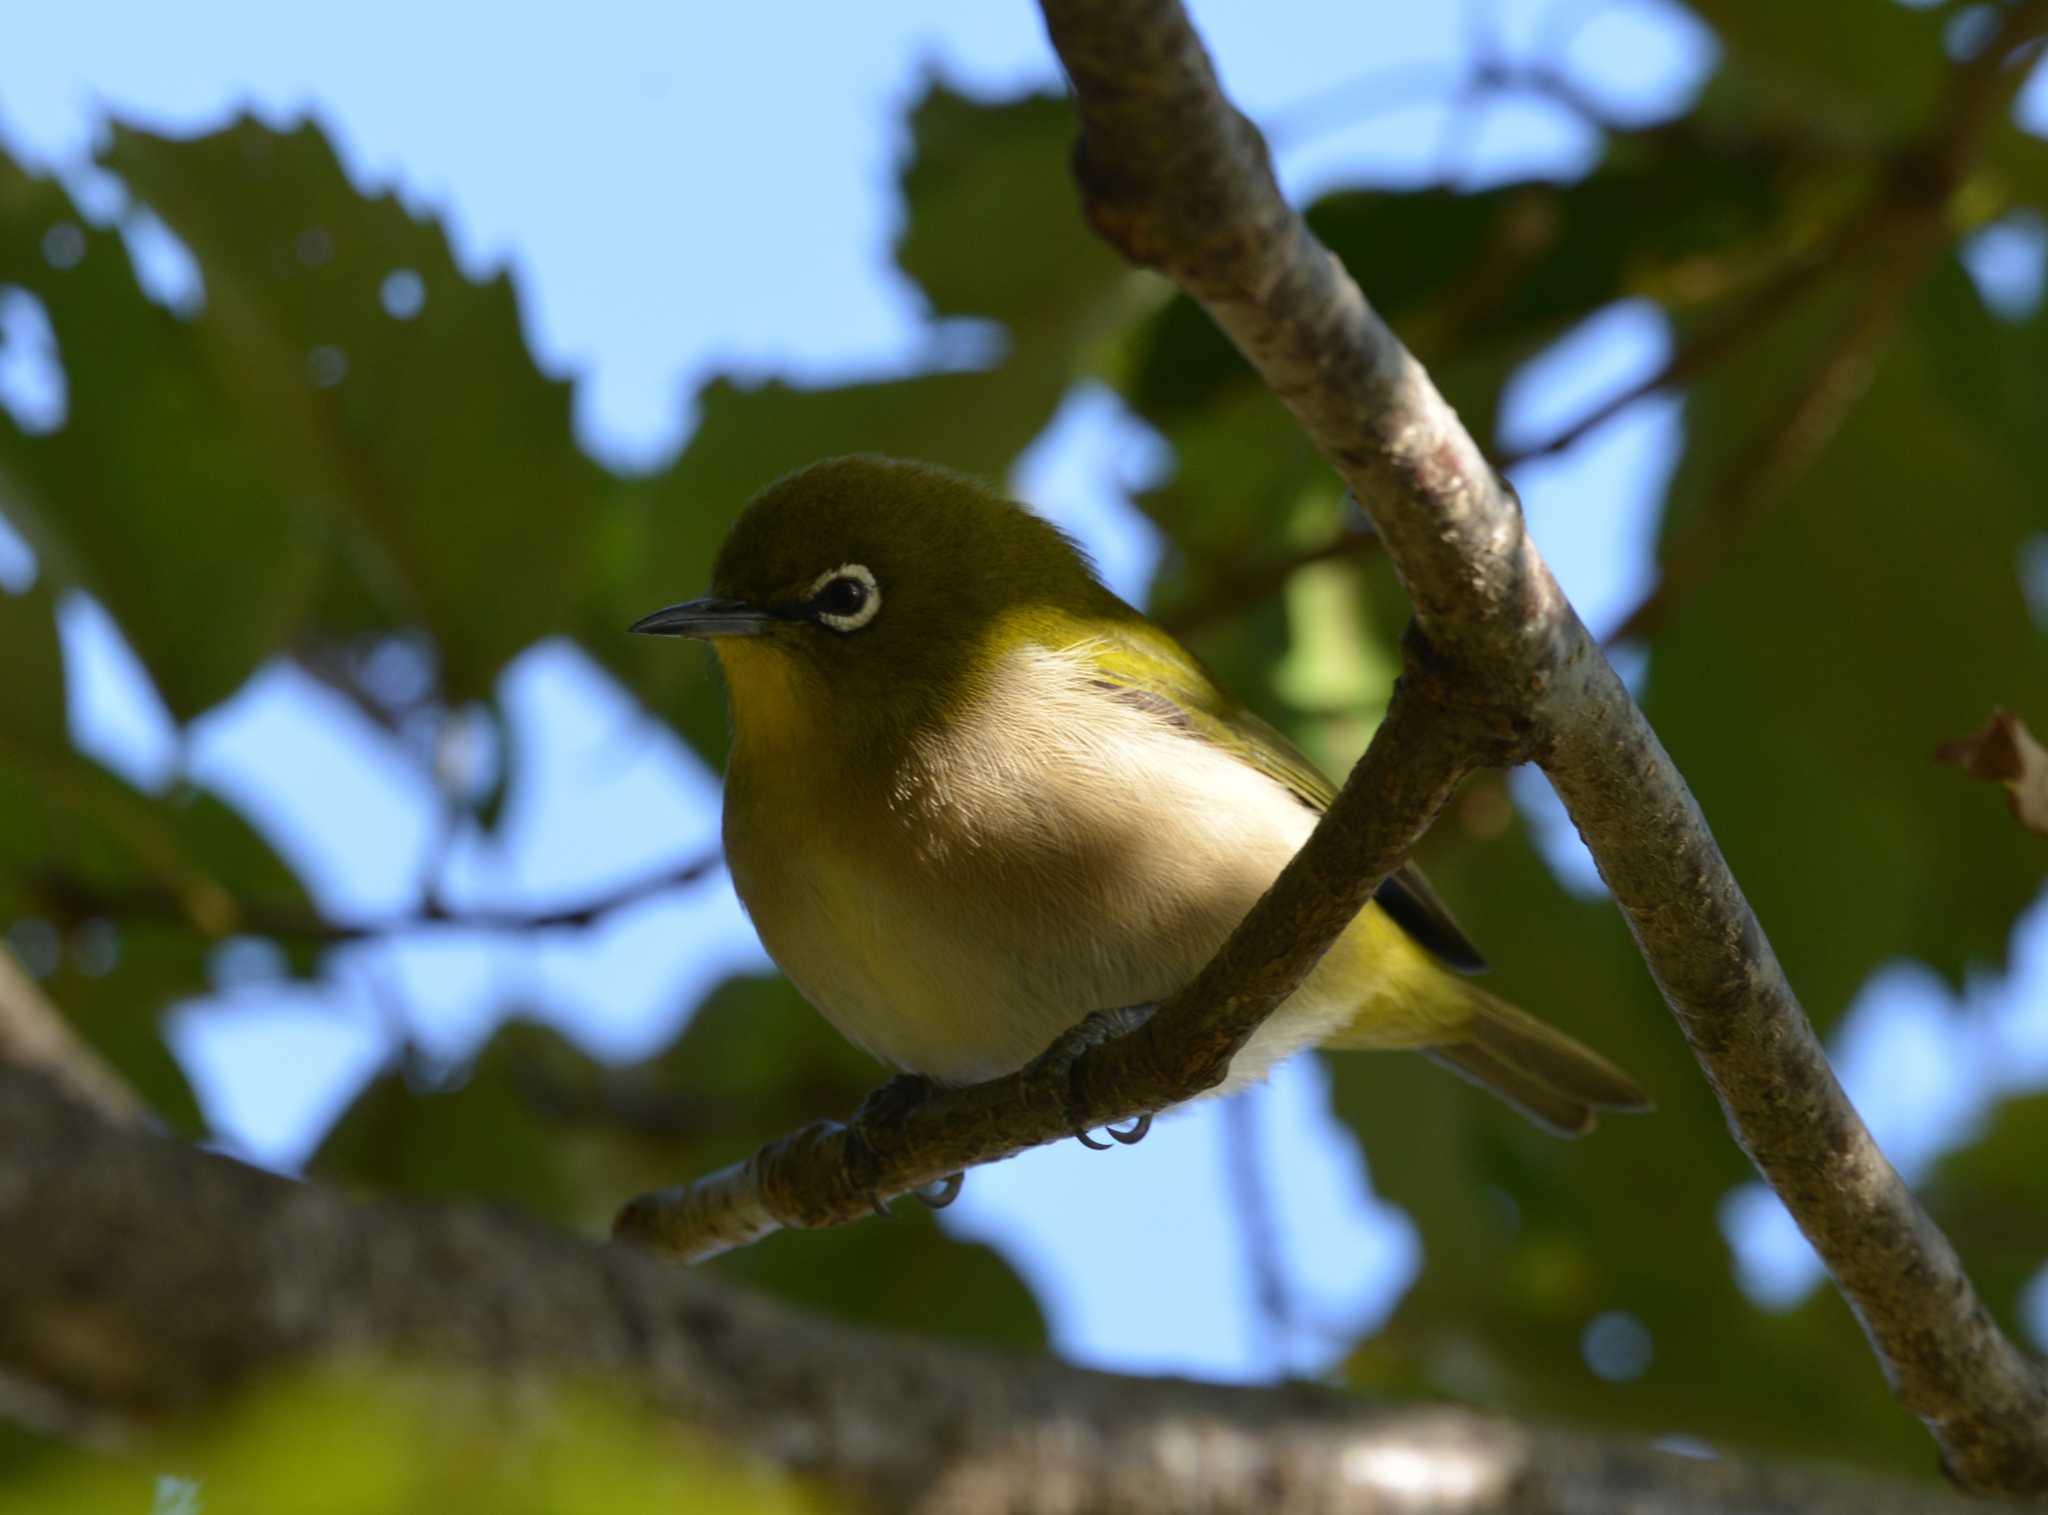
{"x":224,"y":1274}
{"x":1176,"y":178}
{"x":1907,"y":219}
{"x":829,"y":1174}
{"x":70,"y":898}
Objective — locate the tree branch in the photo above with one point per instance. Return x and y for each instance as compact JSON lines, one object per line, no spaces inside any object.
{"x":1499,"y":669}
{"x":1908,"y":217}
{"x":69,"y":899}
{"x":1177,"y":179}
{"x":829,"y":1174}
{"x":223,"y":1274}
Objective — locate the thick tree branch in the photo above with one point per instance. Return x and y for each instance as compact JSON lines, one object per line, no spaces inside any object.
{"x":1177,"y":179}
{"x":144,"y":1278}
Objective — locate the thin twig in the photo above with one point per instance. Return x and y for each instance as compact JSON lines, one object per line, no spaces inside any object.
{"x":1236,"y":593}
{"x":1713,"y":343}
{"x":70,"y":898}
{"x":1805,"y":423}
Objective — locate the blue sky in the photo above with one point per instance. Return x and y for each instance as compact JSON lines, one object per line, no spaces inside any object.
{"x":647,"y":150}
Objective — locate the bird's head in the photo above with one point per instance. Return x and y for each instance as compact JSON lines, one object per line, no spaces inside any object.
{"x":868,"y":589}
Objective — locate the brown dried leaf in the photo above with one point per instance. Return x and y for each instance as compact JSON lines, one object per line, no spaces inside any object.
{"x":2004,"y":752}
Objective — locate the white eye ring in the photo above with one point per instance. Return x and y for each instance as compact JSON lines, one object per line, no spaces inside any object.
{"x":869,"y":605}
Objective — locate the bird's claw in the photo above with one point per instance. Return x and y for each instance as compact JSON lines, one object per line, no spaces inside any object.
{"x":941,"y":1194}
{"x":884,"y":1106}
{"x":1061,"y":1062}
{"x":1132,"y":1134}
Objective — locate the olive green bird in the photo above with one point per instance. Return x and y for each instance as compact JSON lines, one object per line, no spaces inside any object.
{"x":974,"y":796}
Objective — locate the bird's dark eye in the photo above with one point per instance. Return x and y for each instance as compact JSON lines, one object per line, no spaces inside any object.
{"x":842,"y":597}
{"x":845,"y":598}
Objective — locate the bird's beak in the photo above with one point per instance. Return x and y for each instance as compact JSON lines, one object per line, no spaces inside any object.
{"x":709,"y":617}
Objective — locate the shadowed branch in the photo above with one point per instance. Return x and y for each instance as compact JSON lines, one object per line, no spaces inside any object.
{"x":227,"y":1276}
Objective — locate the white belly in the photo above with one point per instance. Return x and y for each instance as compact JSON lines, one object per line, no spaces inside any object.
{"x":1094,"y":858}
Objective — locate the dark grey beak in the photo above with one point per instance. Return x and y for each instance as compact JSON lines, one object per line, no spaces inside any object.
{"x":706,"y":618}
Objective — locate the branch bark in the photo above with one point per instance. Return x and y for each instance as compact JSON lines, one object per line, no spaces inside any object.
{"x":1174,"y":176}
{"x":144,"y":1278}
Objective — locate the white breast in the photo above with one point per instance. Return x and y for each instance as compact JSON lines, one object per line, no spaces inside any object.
{"x":1069,"y":853}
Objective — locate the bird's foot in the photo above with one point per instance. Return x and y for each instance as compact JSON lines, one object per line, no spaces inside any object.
{"x":883,"y":1107}
{"x":1061,"y":1063}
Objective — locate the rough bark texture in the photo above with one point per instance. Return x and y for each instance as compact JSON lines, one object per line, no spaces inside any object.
{"x":144,"y":1278}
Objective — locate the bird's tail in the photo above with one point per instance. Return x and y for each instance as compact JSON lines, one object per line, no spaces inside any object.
{"x":1558,"y":1083}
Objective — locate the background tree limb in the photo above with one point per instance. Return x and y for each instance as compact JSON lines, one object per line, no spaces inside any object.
{"x":145,"y":1279}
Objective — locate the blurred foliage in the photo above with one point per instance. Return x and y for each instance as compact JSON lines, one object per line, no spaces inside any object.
{"x":343,"y":444}
{"x":402,"y":1442}
{"x":532,"y":1122}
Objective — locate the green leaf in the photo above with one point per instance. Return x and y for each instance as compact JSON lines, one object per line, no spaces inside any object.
{"x":1871,"y":613}
{"x":433,"y":467}
{"x":33,"y":715}
{"x":994,"y":229}
{"x":118,"y":1007}
{"x":1876,"y":68}
{"x":160,"y":488}
{"x":1475,"y":284}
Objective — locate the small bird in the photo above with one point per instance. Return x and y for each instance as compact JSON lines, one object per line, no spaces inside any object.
{"x":974,"y":796}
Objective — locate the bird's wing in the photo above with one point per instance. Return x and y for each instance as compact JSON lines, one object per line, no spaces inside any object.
{"x":1141,"y":665}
